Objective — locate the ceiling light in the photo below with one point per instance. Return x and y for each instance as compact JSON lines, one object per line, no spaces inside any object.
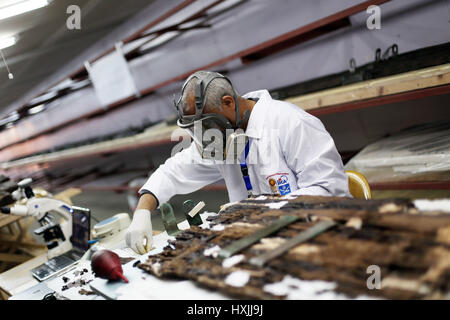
{"x":19,"y":7}
{"x":36,"y":109}
{"x":7,"y":42}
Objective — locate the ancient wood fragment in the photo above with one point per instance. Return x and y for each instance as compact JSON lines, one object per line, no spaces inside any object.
{"x":411,"y":248}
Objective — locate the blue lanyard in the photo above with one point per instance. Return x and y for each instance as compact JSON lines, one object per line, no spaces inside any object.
{"x":244,"y":170}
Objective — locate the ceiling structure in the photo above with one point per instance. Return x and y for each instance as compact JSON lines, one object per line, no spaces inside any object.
{"x":49,"y":63}
{"x":45,"y":44}
{"x":167,"y":40}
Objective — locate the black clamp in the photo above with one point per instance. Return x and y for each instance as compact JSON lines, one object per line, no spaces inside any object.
{"x":386,"y":55}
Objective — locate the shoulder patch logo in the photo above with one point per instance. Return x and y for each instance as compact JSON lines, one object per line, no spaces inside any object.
{"x":279,"y":183}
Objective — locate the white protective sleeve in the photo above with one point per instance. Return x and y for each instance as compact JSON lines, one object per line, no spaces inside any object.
{"x":311,"y":153}
{"x":183,"y":173}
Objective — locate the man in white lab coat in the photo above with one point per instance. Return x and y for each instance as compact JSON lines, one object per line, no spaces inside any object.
{"x":276,"y":148}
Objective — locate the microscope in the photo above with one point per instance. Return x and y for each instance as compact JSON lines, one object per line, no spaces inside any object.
{"x":57,"y":234}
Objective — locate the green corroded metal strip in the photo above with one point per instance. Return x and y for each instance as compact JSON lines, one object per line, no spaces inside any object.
{"x":168,"y":219}
{"x":303,"y":236}
{"x":245,"y":242}
{"x":188,"y":205}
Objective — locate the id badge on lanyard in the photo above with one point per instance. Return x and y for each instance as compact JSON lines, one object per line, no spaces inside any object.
{"x":244,"y":170}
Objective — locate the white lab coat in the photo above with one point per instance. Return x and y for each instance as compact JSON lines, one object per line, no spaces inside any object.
{"x":288,"y":147}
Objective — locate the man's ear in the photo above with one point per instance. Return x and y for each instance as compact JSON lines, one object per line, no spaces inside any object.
{"x":228,"y":102}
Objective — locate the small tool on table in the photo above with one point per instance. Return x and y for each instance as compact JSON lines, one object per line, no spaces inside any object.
{"x":245,"y":242}
{"x":169,"y":220}
{"x":192,"y":212}
{"x":303,"y":236}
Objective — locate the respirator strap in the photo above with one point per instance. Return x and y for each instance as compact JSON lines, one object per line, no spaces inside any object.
{"x":239,"y":123}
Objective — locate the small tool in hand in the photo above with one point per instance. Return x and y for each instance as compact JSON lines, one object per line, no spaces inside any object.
{"x":192,"y":212}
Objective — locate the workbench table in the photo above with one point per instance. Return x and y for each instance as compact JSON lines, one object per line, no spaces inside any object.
{"x":19,"y":279}
{"x":145,"y":286}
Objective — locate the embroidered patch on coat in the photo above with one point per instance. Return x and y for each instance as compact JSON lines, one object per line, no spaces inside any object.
{"x":279,"y":183}
{"x":273,"y":186}
{"x":283,"y":185}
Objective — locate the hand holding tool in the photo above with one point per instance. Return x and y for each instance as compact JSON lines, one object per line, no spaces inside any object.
{"x":139,"y":234}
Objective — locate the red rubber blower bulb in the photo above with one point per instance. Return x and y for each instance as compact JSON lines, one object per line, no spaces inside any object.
{"x":106,"y":265}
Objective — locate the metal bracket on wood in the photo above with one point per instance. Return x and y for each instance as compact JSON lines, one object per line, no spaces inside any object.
{"x":168,"y":219}
{"x":301,"y":237}
{"x":191,"y":212}
{"x":247,"y":241}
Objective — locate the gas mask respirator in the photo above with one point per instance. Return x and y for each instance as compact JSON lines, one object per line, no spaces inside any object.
{"x":214,"y":135}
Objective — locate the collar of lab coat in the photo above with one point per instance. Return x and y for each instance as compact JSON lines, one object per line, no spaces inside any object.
{"x":257,"y":116}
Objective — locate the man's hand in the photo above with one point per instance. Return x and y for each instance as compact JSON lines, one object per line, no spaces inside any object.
{"x":140,"y":230}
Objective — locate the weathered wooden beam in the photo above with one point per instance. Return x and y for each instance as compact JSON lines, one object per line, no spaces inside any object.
{"x":384,"y":87}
